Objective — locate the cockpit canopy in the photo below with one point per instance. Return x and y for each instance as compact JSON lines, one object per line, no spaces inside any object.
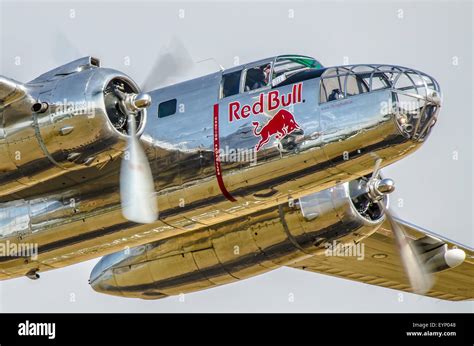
{"x":264,"y":73}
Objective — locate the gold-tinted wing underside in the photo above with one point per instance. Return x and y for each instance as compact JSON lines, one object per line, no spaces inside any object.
{"x":453,"y":284}
{"x":10,"y":91}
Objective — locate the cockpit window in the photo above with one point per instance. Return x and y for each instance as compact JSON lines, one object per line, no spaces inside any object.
{"x":257,"y":77}
{"x":285,"y":66}
{"x":339,"y":83}
{"x":231,"y":84}
{"x":354,"y":85}
{"x":331,"y":89}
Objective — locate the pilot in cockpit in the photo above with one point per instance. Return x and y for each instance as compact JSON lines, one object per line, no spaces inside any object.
{"x":266,"y":71}
{"x":335,"y":94}
{"x":257,"y":77}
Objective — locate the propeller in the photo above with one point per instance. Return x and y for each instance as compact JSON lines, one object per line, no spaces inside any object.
{"x":137,"y":193}
{"x":64,"y":50}
{"x":174,"y":60}
{"x":418,"y":274}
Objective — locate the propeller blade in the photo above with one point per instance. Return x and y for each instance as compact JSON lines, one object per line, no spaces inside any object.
{"x":137,"y":192}
{"x":420,"y":279}
{"x":175,"y":61}
{"x":64,"y":50}
{"x":376,"y":172}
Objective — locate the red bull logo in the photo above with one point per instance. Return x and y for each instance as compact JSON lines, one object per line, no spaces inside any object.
{"x":266,"y":103}
{"x":282,"y":124}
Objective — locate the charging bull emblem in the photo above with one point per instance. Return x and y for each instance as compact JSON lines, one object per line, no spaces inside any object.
{"x":282,"y":124}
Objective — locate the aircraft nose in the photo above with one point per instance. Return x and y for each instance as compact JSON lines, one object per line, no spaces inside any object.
{"x":416,"y":100}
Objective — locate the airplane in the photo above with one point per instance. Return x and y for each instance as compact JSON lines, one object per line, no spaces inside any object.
{"x":213,"y":180}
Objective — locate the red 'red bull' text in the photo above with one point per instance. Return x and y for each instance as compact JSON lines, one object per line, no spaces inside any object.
{"x":273,"y":100}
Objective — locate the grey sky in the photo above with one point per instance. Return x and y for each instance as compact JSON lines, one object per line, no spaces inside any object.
{"x":428,"y":35}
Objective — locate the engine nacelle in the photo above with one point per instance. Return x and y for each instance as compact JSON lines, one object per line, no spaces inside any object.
{"x":70,"y":119}
{"x":435,"y":254}
{"x":236,"y":250}
{"x":445,"y":259}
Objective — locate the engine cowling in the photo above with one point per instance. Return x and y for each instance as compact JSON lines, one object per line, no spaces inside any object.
{"x":236,"y":250}
{"x":69,"y":120}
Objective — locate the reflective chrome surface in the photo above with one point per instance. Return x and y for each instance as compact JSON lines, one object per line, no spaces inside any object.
{"x":235,"y":250}
{"x":336,"y":142}
{"x":74,"y":130}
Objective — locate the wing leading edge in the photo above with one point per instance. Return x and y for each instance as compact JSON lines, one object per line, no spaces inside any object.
{"x":381,"y":265}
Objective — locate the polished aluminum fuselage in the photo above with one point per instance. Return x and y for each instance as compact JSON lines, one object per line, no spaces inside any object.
{"x":73,"y":221}
{"x":235,"y":250}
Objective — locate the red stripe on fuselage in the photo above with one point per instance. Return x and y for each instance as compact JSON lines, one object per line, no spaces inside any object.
{"x":217,"y":157}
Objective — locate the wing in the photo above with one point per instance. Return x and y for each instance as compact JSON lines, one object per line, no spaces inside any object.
{"x":10,"y":91}
{"x":387,"y":271}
